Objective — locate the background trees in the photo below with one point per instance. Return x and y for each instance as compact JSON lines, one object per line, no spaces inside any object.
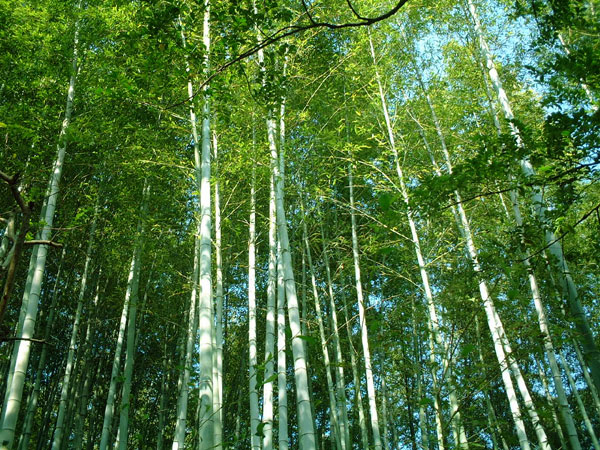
{"x":387,"y":187}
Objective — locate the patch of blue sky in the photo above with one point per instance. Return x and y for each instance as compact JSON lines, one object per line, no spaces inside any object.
{"x":510,"y":39}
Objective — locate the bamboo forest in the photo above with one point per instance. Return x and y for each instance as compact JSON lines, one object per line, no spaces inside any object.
{"x":300,"y":224}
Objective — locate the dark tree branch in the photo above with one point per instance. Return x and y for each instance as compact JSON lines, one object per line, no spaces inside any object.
{"x":308,"y":14}
{"x":528,"y":184}
{"x":476,"y":196}
{"x":36,"y":341}
{"x":26,"y":210}
{"x":290,"y":31}
{"x":354,"y":11}
{"x":7,"y":178}
{"x":42,"y":242}
{"x":14,"y":189}
{"x":595,"y":209}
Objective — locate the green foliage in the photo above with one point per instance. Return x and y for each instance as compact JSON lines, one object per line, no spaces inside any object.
{"x":131,"y":123}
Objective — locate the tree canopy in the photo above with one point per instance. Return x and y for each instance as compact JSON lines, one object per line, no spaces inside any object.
{"x":300,"y":224}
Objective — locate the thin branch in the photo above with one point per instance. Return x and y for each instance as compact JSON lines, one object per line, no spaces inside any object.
{"x":12,"y":183}
{"x":528,"y":184}
{"x":476,"y":196}
{"x":7,"y":178}
{"x":42,"y":242}
{"x":287,"y":32}
{"x":37,"y":341}
{"x":354,"y":11}
{"x":595,"y":209}
{"x":368,"y":216}
{"x":308,"y":14}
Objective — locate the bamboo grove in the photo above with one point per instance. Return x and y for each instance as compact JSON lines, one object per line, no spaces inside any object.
{"x":300,"y":224}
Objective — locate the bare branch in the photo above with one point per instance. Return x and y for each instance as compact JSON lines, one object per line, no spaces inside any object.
{"x":286,"y":32}
{"x":42,"y":242}
{"x":310,"y":17}
{"x":595,"y":209}
{"x":36,"y":341}
{"x":12,"y":183}
{"x":354,"y":11}
{"x":7,"y":178}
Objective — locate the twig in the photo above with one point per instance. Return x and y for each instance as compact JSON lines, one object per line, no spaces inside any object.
{"x":528,"y":184}
{"x":13,"y":184}
{"x":26,"y":210}
{"x":595,"y":209}
{"x":43,"y":242}
{"x":286,"y":32}
{"x":354,"y":11}
{"x":36,"y":341}
{"x":310,"y":17}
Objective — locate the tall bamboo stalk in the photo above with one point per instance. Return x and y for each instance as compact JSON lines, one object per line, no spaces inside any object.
{"x":13,"y":402}
{"x":218,"y":334}
{"x":133,"y":284}
{"x":203,"y":168}
{"x":363,"y":321}
{"x":190,"y":338}
{"x":252,"y":345}
{"x":591,"y":352}
{"x":66,"y":382}
{"x":338,"y":434}
{"x":339,"y":359}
